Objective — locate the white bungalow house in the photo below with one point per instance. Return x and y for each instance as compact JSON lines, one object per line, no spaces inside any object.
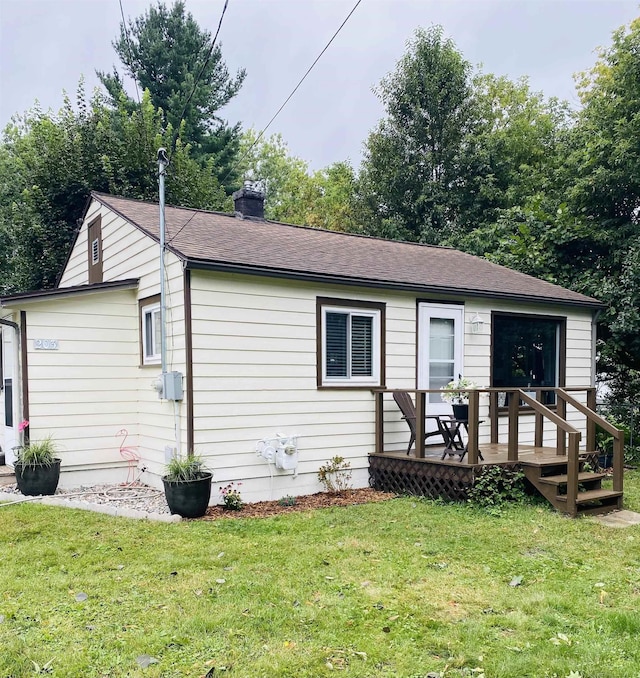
{"x":272,"y":329}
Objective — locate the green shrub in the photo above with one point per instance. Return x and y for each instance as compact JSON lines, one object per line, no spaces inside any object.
{"x":287,"y":501}
{"x":231,"y":498}
{"x":496,"y":486}
{"x":335,"y":475}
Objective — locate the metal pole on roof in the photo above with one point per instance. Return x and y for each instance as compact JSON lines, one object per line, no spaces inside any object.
{"x":163,"y":161}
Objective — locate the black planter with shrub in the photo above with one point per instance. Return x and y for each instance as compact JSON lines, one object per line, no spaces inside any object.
{"x":187,"y":487}
{"x":37,"y":468}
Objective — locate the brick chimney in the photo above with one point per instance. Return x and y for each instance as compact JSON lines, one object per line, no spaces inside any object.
{"x":249,"y":202}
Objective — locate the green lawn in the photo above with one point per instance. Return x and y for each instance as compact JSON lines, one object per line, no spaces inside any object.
{"x":400,"y":588}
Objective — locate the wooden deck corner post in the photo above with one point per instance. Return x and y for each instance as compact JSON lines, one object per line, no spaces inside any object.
{"x":514,"y":416}
{"x":572,"y":472}
{"x":618,"y":462}
{"x":420,"y":423}
{"x":379,"y":442}
{"x":561,"y":439}
{"x":472,"y":444}
{"x":591,"y":424}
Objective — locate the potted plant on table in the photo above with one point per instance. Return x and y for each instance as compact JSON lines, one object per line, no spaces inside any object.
{"x":187,"y":486}
{"x":37,"y":468}
{"x":459,"y":399}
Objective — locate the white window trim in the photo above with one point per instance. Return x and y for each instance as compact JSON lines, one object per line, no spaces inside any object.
{"x":374,"y":379}
{"x":154,"y":358}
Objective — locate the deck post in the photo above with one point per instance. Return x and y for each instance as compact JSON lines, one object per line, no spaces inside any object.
{"x":591,"y":424}
{"x":472,"y":443}
{"x":561,"y":441}
{"x":618,"y":462}
{"x":493,"y":416}
{"x":572,"y":472}
{"x":379,"y":443}
{"x":420,"y":423}
{"x":514,"y":409}
{"x":539,"y":432}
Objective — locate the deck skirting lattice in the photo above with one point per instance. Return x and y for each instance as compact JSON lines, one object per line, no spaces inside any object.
{"x":406,"y":476}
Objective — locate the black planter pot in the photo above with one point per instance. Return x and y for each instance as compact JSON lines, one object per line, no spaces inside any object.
{"x":35,"y":479}
{"x":461,"y":412}
{"x":188,"y":498}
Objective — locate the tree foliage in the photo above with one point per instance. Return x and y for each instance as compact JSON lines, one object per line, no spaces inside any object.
{"x":167,"y":54}
{"x":484,"y":164}
{"x":50,"y":163}
{"x":412,"y":159}
{"x":295,"y":194}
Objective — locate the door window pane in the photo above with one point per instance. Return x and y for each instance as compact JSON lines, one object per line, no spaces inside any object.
{"x":441,"y":354}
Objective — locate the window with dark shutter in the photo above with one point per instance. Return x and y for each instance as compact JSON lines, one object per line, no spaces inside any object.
{"x":350,"y":343}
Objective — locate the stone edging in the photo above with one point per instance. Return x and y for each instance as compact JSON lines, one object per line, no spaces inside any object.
{"x":115,"y":511}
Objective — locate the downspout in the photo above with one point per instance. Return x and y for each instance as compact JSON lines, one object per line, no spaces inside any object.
{"x":188,"y":346}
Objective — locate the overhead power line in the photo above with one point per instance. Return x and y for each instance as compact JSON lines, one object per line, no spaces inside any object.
{"x":302,"y":79}
{"x":205,"y":63}
{"x":142,"y":126}
{"x":277,"y":113}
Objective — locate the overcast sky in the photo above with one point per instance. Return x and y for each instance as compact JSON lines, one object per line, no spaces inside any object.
{"x":45,"y":45}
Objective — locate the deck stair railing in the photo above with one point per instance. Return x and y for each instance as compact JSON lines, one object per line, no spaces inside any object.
{"x":568,"y":438}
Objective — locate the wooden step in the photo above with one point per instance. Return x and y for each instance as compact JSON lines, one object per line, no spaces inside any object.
{"x":551,"y":461}
{"x":583,"y":477}
{"x":592,"y":495}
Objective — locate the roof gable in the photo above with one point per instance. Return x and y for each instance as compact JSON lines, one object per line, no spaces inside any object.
{"x":220,"y":241}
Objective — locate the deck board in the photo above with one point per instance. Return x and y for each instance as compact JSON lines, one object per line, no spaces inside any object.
{"x":493,"y":454}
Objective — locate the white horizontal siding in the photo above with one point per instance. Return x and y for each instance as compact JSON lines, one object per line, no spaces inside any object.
{"x":83,"y":393}
{"x":254,"y":351}
{"x":76,"y":271}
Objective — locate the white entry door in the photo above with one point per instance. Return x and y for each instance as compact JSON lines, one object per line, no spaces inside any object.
{"x":440,"y":350}
{"x":8,"y":395}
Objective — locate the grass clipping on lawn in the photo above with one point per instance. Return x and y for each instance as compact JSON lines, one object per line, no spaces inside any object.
{"x":404,"y":587}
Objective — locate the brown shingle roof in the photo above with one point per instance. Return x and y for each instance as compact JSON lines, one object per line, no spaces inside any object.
{"x":225,"y":242}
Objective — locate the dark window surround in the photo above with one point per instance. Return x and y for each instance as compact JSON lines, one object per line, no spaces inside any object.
{"x":354,"y":304}
{"x":142,"y":303}
{"x":562,"y":346}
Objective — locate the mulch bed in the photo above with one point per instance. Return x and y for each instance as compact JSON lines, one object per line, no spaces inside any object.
{"x":264,"y":509}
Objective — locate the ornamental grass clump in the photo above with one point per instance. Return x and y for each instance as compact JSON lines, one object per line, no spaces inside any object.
{"x":181,"y":469}
{"x":38,"y":453}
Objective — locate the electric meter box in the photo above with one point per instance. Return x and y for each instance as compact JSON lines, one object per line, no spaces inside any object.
{"x":172,"y":386}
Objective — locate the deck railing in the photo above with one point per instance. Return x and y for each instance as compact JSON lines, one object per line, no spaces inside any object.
{"x":567,"y":436}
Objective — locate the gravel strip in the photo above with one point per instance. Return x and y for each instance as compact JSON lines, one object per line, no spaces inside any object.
{"x":129,"y":501}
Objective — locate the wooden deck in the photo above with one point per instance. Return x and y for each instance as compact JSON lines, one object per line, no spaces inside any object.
{"x":493,"y":453}
{"x":558,"y":473}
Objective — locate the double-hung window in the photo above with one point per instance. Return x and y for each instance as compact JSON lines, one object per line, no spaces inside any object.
{"x":151,"y":333}
{"x":351,"y":344}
